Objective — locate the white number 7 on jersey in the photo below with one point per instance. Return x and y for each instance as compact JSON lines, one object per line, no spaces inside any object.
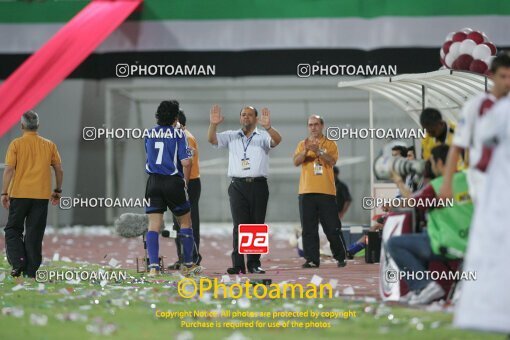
{"x":160,"y":146}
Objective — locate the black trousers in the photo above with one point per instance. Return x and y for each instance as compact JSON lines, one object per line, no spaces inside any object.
{"x":248,"y":204}
{"x":194,"y":190}
{"x":29,"y":216}
{"x":320,"y":207}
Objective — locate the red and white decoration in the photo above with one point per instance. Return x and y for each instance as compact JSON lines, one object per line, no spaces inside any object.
{"x":467,"y":50}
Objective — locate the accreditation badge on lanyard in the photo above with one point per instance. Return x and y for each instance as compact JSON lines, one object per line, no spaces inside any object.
{"x":245,"y":162}
{"x":317,"y":167}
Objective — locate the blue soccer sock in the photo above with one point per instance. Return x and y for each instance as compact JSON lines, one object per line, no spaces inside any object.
{"x":153,"y":248}
{"x":356,"y":247}
{"x":187,"y":242}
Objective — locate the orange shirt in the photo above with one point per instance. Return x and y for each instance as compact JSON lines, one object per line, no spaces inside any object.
{"x":309,"y":182}
{"x":31,"y":156}
{"x":195,"y":167}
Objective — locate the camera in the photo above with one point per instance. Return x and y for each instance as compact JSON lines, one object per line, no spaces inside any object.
{"x":384,"y":165}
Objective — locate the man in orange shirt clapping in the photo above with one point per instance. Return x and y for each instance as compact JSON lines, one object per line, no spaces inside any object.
{"x":317,"y":194}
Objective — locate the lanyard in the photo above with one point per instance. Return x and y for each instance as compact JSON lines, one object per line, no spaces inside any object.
{"x":247,"y":144}
{"x":317,"y":159}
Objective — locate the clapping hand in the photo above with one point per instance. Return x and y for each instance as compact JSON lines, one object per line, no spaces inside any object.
{"x":312,"y":145}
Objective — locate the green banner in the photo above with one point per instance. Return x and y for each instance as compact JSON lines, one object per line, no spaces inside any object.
{"x":53,"y":11}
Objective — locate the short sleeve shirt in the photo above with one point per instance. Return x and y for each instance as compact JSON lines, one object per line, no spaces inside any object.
{"x":309,"y":182}
{"x":254,"y":150}
{"x":31,"y":156}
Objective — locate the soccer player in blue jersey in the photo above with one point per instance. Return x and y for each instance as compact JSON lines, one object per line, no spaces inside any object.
{"x":168,"y":165}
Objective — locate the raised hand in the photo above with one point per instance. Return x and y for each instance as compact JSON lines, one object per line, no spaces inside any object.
{"x":215,"y":116}
{"x":265,"y":119}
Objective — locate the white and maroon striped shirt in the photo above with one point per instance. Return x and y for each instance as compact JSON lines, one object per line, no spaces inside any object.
{"x":467,"y":135}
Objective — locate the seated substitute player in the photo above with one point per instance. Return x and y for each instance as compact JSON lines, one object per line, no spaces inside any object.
{"x":168,"y":165}
{"x":445,"y":236}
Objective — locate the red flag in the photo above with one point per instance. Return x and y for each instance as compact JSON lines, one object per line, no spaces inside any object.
{"x":55,"y":60}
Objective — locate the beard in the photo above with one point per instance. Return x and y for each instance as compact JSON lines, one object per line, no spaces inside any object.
{"x":249,"y":126}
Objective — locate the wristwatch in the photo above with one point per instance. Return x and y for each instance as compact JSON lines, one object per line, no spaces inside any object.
{"x":58,"y":191}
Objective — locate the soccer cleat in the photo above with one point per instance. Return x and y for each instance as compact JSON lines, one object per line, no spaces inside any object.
{"x":175,"y":266}
{"x":191,"y":270}
{"x":430,"y":293}
{"x":153,"y":272}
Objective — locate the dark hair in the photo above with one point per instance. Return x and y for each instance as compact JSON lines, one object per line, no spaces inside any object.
{"x":249,"y":107}
{"x":440,"y":152}
{"x":401,"y":148}
{"x":430,"y":116}
{"x":411,"y":148}
{"x":167,"y":112}
{"x":181,"y":117}
{"x":336,"y":170}
{"x":501,"y":60}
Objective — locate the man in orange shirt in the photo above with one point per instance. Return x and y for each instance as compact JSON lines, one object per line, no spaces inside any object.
{"x":194,"y":190}
{"x":317,"y":194}
{"x":26,"y":190}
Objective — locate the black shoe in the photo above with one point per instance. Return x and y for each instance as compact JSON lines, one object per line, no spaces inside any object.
{"x":342,"y":263}
{"x":349,"y":255}
{"x":310,"y":264}
{"x":256,"y":270}
{"x":234,"y":270}
{"x":175,"y":266}
{"x":16,"y":272}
